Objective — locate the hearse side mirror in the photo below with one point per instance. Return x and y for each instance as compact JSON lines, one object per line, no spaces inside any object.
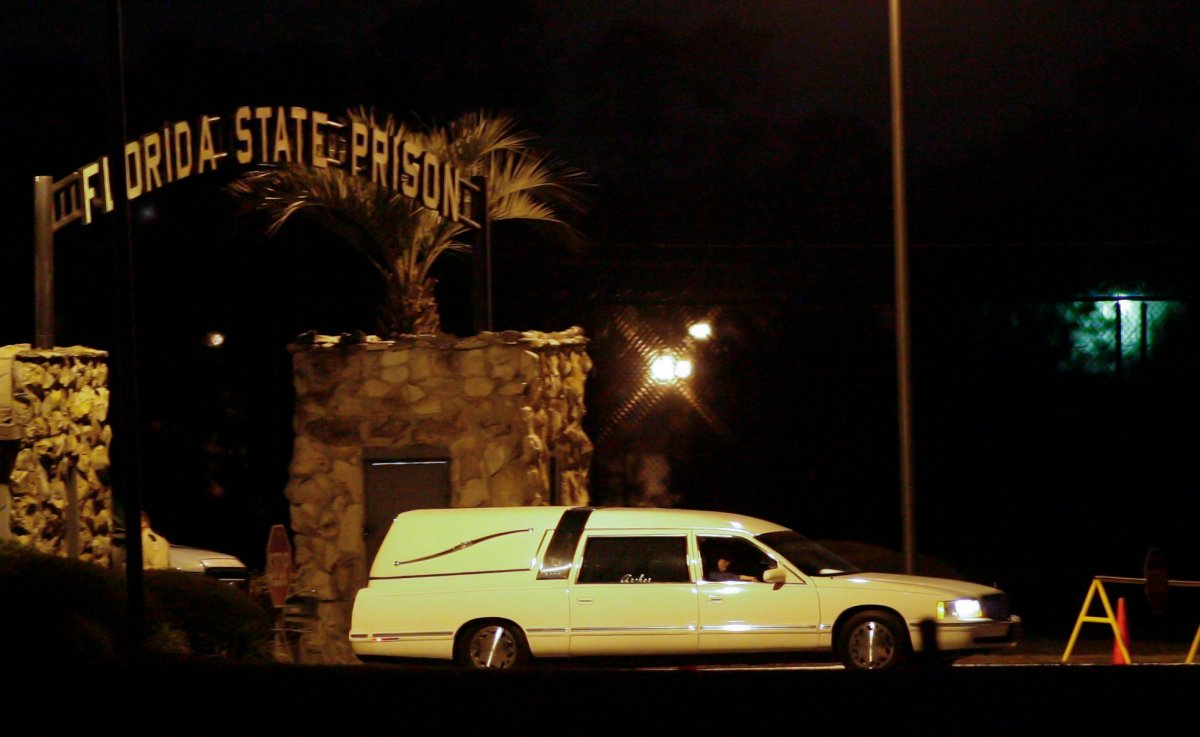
{"x":775,"y":576}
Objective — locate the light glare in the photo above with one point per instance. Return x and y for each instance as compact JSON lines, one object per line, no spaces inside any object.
{"x":662,"y":368}
{"x":960,"y":608}
{"x":667,"y":368}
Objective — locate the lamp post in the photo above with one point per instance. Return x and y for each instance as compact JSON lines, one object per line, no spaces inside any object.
{"x":900,"y":236}
{"x":127,"y":462}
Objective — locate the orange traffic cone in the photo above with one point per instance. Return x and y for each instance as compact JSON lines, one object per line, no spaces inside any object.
{"x":1118,"y":658}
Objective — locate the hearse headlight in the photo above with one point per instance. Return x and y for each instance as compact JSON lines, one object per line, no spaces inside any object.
{"x":959,"y":609}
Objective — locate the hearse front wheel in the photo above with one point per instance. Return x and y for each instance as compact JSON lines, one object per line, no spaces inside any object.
{"x":873,"y":640}
{"x":492,"y":645}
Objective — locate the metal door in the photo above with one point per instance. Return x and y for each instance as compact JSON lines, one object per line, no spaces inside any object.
{"x":396,"y":480}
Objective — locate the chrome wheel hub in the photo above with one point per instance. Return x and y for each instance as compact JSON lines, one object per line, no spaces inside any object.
{"x":872,"y":646}
{"x":492,"y":647}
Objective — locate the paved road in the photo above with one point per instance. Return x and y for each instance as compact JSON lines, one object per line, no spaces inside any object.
{"x":220,"y":698}
{"x":1092,"y":649}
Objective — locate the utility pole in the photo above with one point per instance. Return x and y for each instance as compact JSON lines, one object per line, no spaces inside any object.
{"x":903,"y":340}
{"x":126,"y":467}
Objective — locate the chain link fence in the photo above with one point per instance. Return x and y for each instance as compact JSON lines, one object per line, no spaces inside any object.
{"x":1117,"y":336}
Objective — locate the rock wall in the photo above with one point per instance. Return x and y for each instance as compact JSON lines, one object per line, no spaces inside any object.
{"x":55,"y":494}
{"x":503,"y":404}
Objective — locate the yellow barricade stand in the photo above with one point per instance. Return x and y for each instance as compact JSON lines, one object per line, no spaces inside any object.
{"x":1110,"y":619}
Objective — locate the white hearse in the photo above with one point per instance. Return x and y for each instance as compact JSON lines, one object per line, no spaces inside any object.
{"x":495,"y":587}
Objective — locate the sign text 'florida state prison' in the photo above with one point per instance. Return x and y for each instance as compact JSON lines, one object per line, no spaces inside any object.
{"x":275,"y":135}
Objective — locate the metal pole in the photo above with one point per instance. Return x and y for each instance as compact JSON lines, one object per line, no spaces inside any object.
{"x":1118,"y":339}
{"x":487,"y":249}
{"x":1144,"y":338}
{"x":482,"y":257}
{"x":900,"y":234}
{"x":126,"y":451}
{"x":43,"y":262}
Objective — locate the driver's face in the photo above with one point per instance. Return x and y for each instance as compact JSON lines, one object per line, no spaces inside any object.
{"x":722,"y":564}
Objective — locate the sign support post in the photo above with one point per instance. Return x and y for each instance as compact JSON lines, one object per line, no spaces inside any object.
{"x":482,"y":256}
{"x":279,"y":565}
{"x":43,"y":262}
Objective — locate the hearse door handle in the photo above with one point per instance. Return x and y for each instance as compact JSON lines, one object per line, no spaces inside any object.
{"x":716,"y":599}
{"x":581,"y":600}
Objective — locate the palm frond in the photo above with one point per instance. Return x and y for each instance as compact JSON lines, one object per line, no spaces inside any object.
{"x":401,"y":238}
{"x":476,"y":137}
{"x":536,"y":177}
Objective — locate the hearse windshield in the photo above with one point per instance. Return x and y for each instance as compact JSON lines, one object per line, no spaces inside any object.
{"x":807,"y":555}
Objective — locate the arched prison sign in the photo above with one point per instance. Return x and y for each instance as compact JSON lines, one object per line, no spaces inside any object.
{"x":266,"y":135}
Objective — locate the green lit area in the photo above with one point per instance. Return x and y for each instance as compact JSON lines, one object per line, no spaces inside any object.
{"x":1115,"y":334}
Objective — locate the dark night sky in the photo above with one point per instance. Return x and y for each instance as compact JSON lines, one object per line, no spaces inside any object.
{"x":758,"y":124}
{"x":646,"y":96}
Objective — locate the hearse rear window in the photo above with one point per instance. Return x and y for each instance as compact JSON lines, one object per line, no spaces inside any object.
{"x":635,"y":560}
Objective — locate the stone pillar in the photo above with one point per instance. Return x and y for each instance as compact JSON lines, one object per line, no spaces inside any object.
{"x":508,"y":406}
{"x":54,"y":422}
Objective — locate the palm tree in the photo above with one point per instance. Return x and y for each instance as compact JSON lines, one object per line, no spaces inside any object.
{"x":399,"y":237}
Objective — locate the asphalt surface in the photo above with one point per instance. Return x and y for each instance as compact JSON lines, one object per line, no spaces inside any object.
{"x":1087,"y":650}
{"x":978,"y":696}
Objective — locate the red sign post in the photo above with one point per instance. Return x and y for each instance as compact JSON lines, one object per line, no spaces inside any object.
{"x":279,"y":565}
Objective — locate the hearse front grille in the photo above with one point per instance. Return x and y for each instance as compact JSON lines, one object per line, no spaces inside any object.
{"x":995,"y":606}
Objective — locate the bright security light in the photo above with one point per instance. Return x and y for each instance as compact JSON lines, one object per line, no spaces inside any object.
{"x":666,"y":367}
{"x":214,"y":340}
{"x":662,"y":368}
{"x":701,"y":330}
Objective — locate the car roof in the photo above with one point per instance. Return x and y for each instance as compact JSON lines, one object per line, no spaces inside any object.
{"x":605,"y":518}
{"x":700,"y":519}
{"x":186,"y":555}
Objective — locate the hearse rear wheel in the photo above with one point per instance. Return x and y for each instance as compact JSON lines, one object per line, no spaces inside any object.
{"x":493,"y":645}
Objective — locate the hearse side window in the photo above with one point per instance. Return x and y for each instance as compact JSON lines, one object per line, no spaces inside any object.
{"x":635,"y":560}
{"x":743,"y":560}
{"x":556,"y":563}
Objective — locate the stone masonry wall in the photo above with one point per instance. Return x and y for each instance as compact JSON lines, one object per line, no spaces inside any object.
{"x":504,"y":404}
{"x":55,"y":494}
